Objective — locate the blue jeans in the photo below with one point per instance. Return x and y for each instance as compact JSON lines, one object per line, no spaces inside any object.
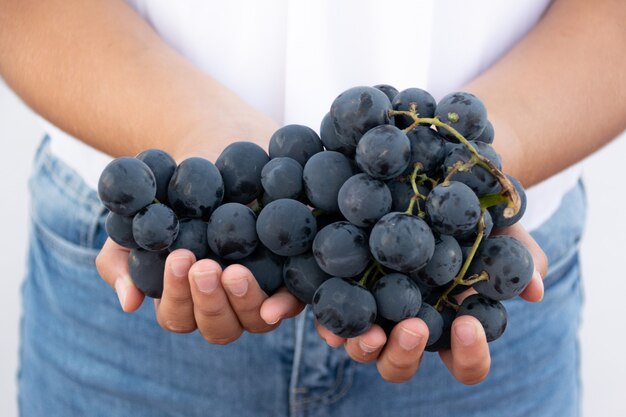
{"x":82,"y":356}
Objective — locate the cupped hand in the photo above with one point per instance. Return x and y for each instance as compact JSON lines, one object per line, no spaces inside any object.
{"x":398,"y":357}
{"x":220,"y":304}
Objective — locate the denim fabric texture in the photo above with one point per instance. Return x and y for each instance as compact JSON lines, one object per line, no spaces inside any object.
{"x":82,"y":356}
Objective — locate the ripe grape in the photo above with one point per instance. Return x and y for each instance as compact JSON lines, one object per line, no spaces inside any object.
{"x":464,"y":112}
{"x":296,"y":142}
{"x":453,"y":209}
{"x":330,"y":140}
{"x":155,"y":227}
{"x":146,"y":270}
{"x":424,"y":102}
{"x":162,"y":166}
{"x":240,"y":165}
{"x":303,"y":276}
{"x":323,"y":176}
{"x":497,"y":212}
{"x":389,"y":90}
{"x":480,"y":180}
{"x":402,"y":192}
{"x":266,"y":267}
{"x":490,"y":313}
{"x":427,"y":148}
{"x":196,"y":189}
{"x":286,"y":227}
{"x":363,"y":200}
{"x":344,"y":307}
{"x":282,"y":178}
{"x":487,"y":135}
{"x":120,"y":230}
{"x":433,"y":321}
{"x":448,"y":315}
{"x":340,"y":249}
{"x":397,"y":297}
{"x":383,"y":152}
{"x":192,"y":236}
{"x":126,"y":185}
{"x":231,"y":231}
{"x":444,"y":265}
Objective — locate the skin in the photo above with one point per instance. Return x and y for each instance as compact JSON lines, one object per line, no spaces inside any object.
{"x":119,"y":52}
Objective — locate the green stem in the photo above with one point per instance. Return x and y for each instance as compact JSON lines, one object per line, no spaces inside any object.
{"x":366,"y":274}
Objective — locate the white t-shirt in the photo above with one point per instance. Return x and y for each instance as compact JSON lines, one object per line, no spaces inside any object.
{"x":291,"y":58}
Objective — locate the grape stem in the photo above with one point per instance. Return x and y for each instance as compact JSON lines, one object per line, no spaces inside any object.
{"x":416,"y":194}
{"x":513,"y":199}
{"x":458,"y":280}
{"x":368,"y":272}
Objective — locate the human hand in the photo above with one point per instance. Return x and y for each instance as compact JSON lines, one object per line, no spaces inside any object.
{"x":398,"y":357}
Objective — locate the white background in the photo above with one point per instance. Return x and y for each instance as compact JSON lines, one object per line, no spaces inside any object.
{"x":603,"y":251}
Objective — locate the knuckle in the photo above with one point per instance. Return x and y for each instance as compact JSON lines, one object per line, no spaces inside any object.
{"x":400,"y":363}
{"x":211,"y":312}
{"x":176,"y":297}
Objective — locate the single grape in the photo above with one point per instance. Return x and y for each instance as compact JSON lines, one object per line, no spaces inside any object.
{"x":196,"y":189}
{"x":344,"y":307}
{"x":231,"y":231}
{"x":479,"y":179}
{"x":383,"y":152}
{"x":162,"y":166}
{"x":453,"y":209}
{"x":509,"y":266}
{"x":330,"y":140}
{"x":427,"y":148}
{"x":402,"y":242}
{"x":296,"y":142}
{"x":397,"y":297}
{"x":487,"y":135}
{"x":126,"y":185}
{"x":402,"y":192}
{"x":146,"y":270}
{"x":240,"y":165}
{"x":468,"y":238}
{"x":120,"y":230}
{"x":443,"y":343}
{"x":433,"y":321}
{"x":464,"y":112}
{"x":286,"y":227}
{"x":364,"y":200}
{"x":266,"y":267}
{"x":303,"y":276}
{"x":340,"y":249}
{"x":192,"y":236}
{"x":490,"y":313}
{"x":282,"y":178}
{"x":389,"y":90}
{"x":497,"y":212}
{"x":425,"y":105}
{"x":155,"y":227}
{"x":323,"y":176}
{"x":443,"y":266}
{"x":357,"y":110}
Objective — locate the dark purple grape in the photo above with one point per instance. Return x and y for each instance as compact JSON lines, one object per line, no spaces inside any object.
{"x":286,"y":227}
{"x":443,"y":343}
{"x":480,"y":180}
{"x":126,"y":186}
{"x":424,"y":102}
{"x":402,"y":242}
{"x":364,"y":200}
{"x":330,"y":140}
{"x":427,"y":148}
{"x":453,"y":209}
{"x":340,"y":249}
{"x":383,"y":152}
{"x":120,"y":230}
{"x":402,"y":192}
{"x":468,"y":238}
{"x":155,"y":227}
{"x":192,"y":236}
{"x":266,"y":267}
{"x":146,"y":270}
{"x":303,"y":276}
{"x":444,"y":265}
{"x":296,"y":142}
{"x":490,"y":313}
{"x":357,"y":110}
{"x":323,"y":175}
{"x":397,"y":297}
{"x":487,"y":135}
{"x":344,"y":307}
{"x":282,"y":178}
{"x":497,"y":212}
{"x":240,"y":165}
{"x":196,"y":189}
{"x":389,"y":90}
{"x":231,"y":231}
{"x":433,"y":321}
{"x":509,"y":266}
{"x":162,"y":166}
{"x":464,"y":112}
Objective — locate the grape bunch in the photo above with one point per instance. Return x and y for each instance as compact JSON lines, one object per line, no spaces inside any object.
{"x":387,"y":214}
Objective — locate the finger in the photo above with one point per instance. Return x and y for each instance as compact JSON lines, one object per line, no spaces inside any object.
{"x":367,"y":347}
{"x":112,"y":265}
{"x":175,"y":311}
{"x":245,"y":297}
{"x":534,"y":291}
{"x":329,"y":337}
{"x":468,"y":360}
{"x":280,"y":305}
{"x":403,"y":352}
{"x":216,"y":320}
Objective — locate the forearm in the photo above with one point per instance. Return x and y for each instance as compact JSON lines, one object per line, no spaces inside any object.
{"x":561,"y":91}
{"x":99,"y":72}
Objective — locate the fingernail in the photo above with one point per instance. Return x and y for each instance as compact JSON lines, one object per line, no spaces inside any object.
{"x":180,"y":266}
{"x":238,"y":287}
{"x":206,"y":281}
{"x":465,"y":333}
{"x":367,"y":348}
{"x":408,"y":340}
{"x":274,"y":321}
{"x":121,"y":288}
